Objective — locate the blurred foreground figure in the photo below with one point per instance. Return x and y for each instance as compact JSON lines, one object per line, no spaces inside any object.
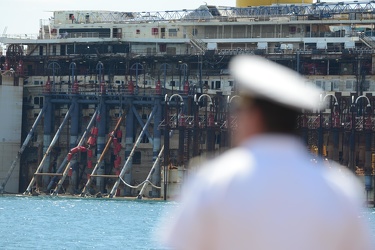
{"x":266,"y":194}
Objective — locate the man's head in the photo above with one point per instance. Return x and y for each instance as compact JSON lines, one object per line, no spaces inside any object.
{"x":272,"y":97}
{"x":258,"y":116}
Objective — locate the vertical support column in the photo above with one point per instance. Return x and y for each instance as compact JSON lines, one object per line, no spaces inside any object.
{"x":336,"y":140}
{"x":129,"y":140}
{"x":373,"y":63}
{"x":196,"y":130}
{"x":368,"y":151}
{"x":47,"y":139}
{"x":210,"y":139}
{"x":298,"y":62}
{"x":345,"y":148}
{"x":368,"y":156}
{"x":320,"y":135}
{"x":101,"y":144}
{"x":74,"y":127}
{"x":181,"y":145}
{"x":166,"y":150}
{"x":156,"y":177}
{"x":210,"y":130}
{"x":352,"y":144}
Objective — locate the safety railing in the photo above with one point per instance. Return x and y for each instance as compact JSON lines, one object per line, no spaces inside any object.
{"x":342,"y":122}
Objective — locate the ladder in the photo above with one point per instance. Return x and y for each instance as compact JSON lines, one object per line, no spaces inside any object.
{"x":370,"y":42}
{"x":198,"y":44}
{"x":89,"y":180}
{"x":48,"y":151}
{"x":24,"y":145}
{"x":64,"y":169}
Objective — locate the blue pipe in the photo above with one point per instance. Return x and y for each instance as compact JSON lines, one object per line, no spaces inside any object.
{"x":47,"y":129}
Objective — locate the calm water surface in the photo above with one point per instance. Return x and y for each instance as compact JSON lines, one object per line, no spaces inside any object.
{"x":71,"y":223}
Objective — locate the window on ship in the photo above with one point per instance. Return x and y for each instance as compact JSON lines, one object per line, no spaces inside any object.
{"x":172,"y":32}
{"x":155,"y":31}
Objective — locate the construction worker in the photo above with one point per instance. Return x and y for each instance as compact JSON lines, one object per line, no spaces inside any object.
{"x":265,"y":194}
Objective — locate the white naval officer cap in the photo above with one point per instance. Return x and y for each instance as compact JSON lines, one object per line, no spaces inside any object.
{"x":260,"y":78}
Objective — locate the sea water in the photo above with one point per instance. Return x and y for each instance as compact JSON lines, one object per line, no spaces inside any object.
{"x":75,"y":223}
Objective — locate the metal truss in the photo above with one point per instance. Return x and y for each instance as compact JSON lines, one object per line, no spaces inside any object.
{"x":207,"y":13}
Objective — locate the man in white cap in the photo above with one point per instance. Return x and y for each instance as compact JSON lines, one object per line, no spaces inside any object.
{"x":265,"y":194}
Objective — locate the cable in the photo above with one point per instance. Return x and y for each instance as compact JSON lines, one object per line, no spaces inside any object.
{"x":139,"y":185}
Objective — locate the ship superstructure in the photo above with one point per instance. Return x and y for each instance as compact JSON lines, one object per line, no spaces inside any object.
{"x":159,"y":72}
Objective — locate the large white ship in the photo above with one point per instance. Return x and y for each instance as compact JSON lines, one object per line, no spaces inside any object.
{"x":127,"y":62}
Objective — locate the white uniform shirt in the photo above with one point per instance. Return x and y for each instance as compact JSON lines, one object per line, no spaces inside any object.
{"x":267,"y":195}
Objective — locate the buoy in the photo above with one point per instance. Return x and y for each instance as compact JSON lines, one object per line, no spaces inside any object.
{"x":89,"y":153}
{"x":181,"y":121}
{"x":70,"y":172}
{"x":89,"y":164}
{"x":94,"y":130}
{"x":91,"y":141}
{"x":117,"y":161}
{"x":6,"y":65}
{"x":211,"y":120}
{"x":118,"y":147}
{"x":102,"y":88}
{"x":82,"y":149}
{"x":186,"y":88}
{"x":119,"y":134}
{"x":75,"y":88}
{"x":69,"y":157}
{"x":20,"y":67}
{"x":74,"y":150}
{"x":48,"y":86}
{"x":131,"y":87}
{"x":158,"y":88}
{"x":115,"y":152}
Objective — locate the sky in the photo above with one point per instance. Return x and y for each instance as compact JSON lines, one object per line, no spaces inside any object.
{"x":23,"y":16}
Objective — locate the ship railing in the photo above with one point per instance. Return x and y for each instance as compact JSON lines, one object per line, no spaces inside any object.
{"x":58,"y":36}
{"x":249,"y":34}
{"x":330,"y":49}
{"x":66,"y":35}
{"x":95,"y":90}
{"x":313,"y":122}
{"x":150,"y":52}
{"x":21,"y":36}
{"x":189,"y":121}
